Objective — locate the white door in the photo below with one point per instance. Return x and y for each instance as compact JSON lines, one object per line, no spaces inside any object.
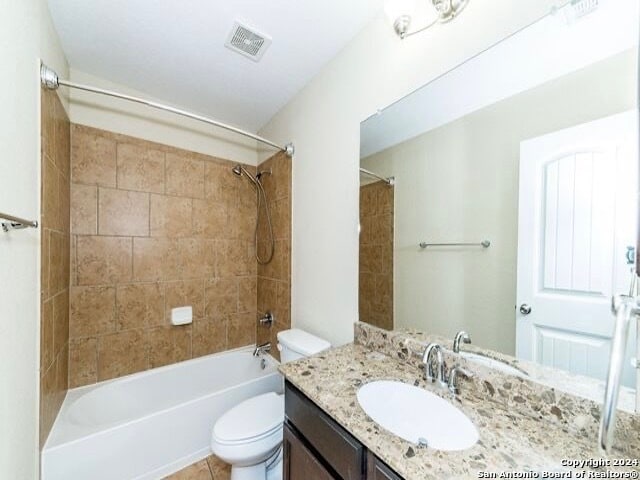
{"x":577,"y":218}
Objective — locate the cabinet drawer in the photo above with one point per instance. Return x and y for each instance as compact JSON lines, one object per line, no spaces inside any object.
{"x":299,"y":462}
{"x":333,"y":443}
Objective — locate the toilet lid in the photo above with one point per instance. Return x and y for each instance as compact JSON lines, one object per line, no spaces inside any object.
{"x":250,"y":419}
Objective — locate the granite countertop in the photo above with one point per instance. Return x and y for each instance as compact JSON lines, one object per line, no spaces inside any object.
{"x":510,"y":440}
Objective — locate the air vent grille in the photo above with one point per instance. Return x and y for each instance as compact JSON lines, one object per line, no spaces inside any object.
{"x":583,"y":7}
{"x":248,"y":42}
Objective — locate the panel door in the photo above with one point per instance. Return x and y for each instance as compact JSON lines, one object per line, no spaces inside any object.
{"x":576,"y":234}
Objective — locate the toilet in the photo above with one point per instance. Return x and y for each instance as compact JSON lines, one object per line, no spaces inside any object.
{"x":249,"y":435}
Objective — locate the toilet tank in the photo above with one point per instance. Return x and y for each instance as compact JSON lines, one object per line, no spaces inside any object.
{"x":295,"y":344}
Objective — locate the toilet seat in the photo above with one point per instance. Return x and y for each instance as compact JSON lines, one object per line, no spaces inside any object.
{"x":250,"y":421}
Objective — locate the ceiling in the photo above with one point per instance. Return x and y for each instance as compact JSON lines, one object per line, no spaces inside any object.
{"x":174,"y":50}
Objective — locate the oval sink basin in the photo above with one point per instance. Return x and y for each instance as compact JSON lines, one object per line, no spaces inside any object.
{"x":492,"y":363}
{"x":417,"y":415}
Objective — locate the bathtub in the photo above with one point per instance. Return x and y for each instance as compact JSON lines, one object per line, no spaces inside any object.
{"x":150,"y":424}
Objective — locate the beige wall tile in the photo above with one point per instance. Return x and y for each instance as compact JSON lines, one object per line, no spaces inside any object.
{"x":122,"y":353}
{"x":92,"y":311}
{"x":155,"y":259}
{"x":140,"y":168}
{"x":209,"y":336}
{"x":46,"y":335}
{"x":242,"y":330}
{"x":58,"y":242}
{"x":83,"y":361}
{"x":189,"y":293}
{"x":51,"y":203}
{"x":221,"y":297}
{"x":211,"y":219}
{"x":247,"y":294}
{"x":93,"y":157}
{"x":169,"y":344}
{"x":123,"y":213}
{"x":185,"y":176}
{"x":104,"y":260}
{"x":171,"y":216}
{"x":60,"y":321}
{"x":196,"y":258}
{"x":84,"y":209}
{"x":140,"y":305}
{"x":267,"y":294}
{"x":44,"y":263}
{"x":221,"y":183}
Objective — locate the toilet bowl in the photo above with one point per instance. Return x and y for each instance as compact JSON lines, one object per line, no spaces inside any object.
{"x":249,"y":435}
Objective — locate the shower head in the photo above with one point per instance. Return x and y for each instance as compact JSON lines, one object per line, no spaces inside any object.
{"x":239,"y":170}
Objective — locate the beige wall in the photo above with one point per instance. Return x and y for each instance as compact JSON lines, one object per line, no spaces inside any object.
{"x":323,"y":120}
{"x":153,"y":228}
{"x":460,"y":182}
{"x":54,"y":265}
{"x":142,"y":122}
{"x":26,"y":34}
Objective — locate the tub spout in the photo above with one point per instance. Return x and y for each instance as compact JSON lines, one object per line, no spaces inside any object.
{"x":262,"y":349}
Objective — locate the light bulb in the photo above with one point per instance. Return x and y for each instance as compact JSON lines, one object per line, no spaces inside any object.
{"x":399,"y":13}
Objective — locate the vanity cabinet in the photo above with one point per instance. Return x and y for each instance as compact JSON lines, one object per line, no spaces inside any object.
{"x":316,"y":447}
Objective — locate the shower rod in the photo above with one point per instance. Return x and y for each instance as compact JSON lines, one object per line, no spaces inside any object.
{"x":50,"y":80}
{"x":389,"y":181}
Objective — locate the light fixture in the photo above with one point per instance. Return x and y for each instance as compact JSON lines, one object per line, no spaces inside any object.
{"x":400,"y":14}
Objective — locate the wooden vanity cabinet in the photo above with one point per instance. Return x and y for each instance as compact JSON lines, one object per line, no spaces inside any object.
{"x":317,"y":448}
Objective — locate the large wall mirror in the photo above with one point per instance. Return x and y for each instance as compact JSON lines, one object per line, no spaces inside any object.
{"x":502,"y":198}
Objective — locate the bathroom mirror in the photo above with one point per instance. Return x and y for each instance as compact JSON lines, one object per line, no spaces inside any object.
{"x":501,"y":198}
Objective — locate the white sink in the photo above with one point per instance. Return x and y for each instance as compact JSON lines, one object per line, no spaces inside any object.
{"x":492,"y":363}
{"x":417,"y":415}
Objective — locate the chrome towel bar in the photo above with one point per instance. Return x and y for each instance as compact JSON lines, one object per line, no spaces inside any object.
{"x":16,"y":223}
{"x":483,"y":244}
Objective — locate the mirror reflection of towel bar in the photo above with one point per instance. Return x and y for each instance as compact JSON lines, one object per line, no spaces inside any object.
{"x":16,"y":223}
{"x":483,"y":244}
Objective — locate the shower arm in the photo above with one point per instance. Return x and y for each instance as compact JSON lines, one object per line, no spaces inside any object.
{"x":50,"y":80}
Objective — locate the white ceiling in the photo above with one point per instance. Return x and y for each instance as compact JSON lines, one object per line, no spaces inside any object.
{"x":174,"y":49}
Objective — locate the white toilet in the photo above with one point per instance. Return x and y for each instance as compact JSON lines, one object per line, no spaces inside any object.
{"x":249,"y":436}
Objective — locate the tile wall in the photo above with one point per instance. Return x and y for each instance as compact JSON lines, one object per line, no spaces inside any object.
{"x":153,"y":228}
{"x":274,"y":278}
{"x":55,"y":238}
{"x":376,"y":255}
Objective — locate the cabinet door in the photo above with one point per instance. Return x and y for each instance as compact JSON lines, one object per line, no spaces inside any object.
{"x":376,"y":470}
{"x":299,"y":462}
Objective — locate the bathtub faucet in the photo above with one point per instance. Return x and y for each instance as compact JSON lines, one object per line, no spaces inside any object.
{"x":262,"y":349}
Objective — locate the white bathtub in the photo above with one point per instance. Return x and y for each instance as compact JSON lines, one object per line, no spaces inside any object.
{"x":150,"y":424}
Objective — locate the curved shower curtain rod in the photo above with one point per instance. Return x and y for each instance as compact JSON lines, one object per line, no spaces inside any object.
{"x":50,"y":80}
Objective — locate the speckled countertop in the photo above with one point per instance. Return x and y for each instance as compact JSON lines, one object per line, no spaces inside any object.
{"x":510,"y":438}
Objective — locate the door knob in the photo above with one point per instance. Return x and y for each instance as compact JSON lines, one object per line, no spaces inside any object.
{"x":525,"y":309}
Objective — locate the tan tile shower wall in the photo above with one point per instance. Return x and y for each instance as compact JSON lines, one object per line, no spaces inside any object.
{"x":376,"y":255}
{"x":274,"y":279}
{"x":54,"y":313}
{"x":153,"y":228}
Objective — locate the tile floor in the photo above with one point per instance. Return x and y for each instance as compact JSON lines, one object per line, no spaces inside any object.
{"x":211,"y":468}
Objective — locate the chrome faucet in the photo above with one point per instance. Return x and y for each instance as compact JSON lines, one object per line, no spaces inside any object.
{"x":262,"y":349}
{"x":454,"y":381}
{"x":461,"y":336}
{"x":625,"y":308}
{"x":429,"y":374}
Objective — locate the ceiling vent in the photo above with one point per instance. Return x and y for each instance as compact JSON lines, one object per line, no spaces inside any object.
{"x":247,"y":42}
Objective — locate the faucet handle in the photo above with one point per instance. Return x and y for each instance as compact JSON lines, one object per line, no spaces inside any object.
{"x":454,"y":381}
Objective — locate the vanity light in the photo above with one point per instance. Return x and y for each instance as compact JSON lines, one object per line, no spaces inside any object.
{"x":400,"y":12}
